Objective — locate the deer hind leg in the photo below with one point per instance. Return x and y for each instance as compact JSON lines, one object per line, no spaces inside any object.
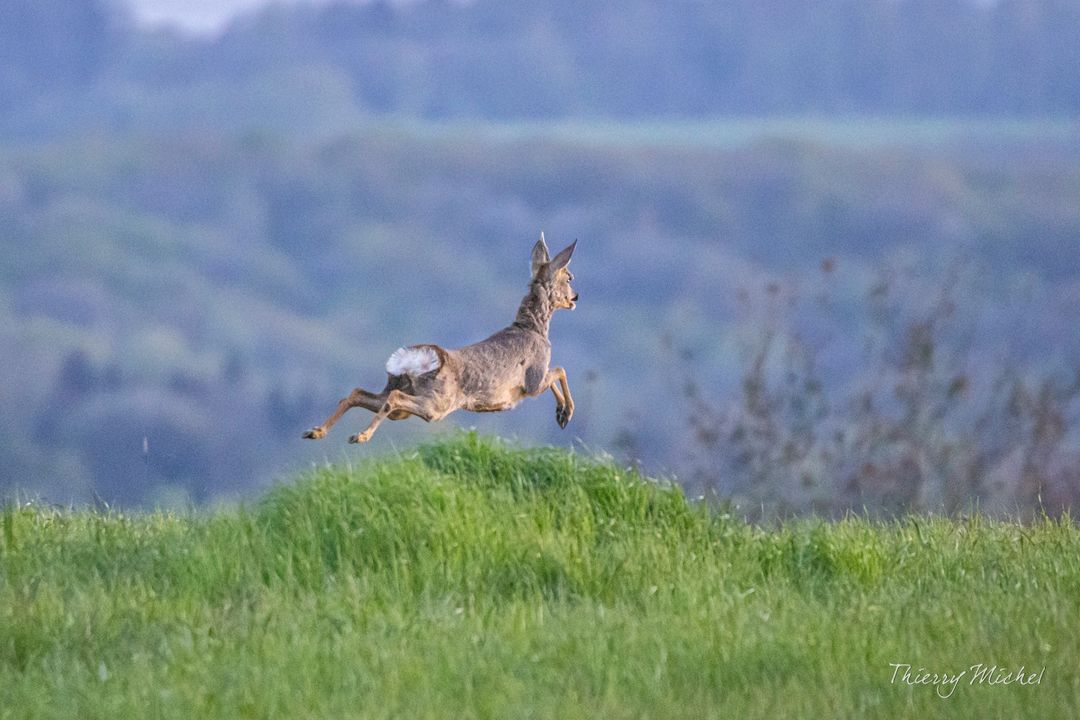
{"x":564,"y":401}
{"x":357,"y":398}
{"x":397,"y":405}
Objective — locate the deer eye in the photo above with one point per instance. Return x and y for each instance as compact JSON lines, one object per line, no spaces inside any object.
{"x":569,"y":276}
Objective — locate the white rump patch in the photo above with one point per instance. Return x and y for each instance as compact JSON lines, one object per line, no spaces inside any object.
{"x":412,"y":361}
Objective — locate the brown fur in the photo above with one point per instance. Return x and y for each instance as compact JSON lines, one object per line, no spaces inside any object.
{"x":489,"y":376}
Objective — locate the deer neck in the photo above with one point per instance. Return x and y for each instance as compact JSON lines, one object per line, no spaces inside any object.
{"x":535,"y":312}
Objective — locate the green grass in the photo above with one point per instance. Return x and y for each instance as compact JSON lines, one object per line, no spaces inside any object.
{"x":471,"y":580}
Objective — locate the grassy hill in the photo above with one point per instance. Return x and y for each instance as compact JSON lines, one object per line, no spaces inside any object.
{"x":468,"y":579}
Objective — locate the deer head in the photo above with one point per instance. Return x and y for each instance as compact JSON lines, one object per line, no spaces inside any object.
{"x":550,"y":277}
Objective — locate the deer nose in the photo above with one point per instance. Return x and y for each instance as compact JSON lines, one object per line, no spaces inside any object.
{"x":575,"y":297}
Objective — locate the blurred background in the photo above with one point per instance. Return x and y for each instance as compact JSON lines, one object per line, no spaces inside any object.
{"x":829,"y":252}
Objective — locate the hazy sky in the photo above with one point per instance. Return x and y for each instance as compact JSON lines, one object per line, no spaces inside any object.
{"x":196,"y":15}
{"x":207,"y":16}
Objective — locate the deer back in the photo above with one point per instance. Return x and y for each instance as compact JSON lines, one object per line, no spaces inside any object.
{"x":498,"y":372}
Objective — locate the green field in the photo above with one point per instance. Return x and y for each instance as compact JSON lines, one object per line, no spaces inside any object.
{"x":467,"y":579}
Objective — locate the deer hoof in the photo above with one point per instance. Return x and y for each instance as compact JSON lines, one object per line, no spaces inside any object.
{"x":359,"y":438}
{"x":563,"y":415}
{"x":315,"y":433}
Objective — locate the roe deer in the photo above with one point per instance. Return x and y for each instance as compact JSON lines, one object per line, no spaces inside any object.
{"x":431,"y":382}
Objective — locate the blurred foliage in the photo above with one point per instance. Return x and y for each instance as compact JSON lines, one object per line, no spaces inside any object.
{"x":175,"y":311}
{"x":941,"y":411}
{"x":208,"y":241}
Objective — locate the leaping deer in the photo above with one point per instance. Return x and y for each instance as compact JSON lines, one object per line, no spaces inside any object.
{"x":431,"y":382}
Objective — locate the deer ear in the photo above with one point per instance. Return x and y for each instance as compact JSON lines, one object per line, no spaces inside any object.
{"x":562,"y":259}
{"x":539,"y":256}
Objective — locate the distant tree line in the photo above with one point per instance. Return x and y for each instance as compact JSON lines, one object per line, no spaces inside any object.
{"x":561,"y":58}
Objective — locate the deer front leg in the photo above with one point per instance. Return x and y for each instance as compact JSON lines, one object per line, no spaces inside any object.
{"x":396,"y":403}
{"x":357,"y":398}
{"x":564,"y":402}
